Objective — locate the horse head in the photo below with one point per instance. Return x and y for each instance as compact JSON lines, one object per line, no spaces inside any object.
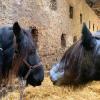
{"x":80,"y":63}
{"x":30,"y":65}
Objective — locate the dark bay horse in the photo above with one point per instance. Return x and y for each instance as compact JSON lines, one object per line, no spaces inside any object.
{"x":18,"y":54}
{"x":81,"y":62}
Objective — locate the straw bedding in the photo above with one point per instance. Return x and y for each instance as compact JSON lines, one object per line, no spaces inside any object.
{"x":47,"y":91}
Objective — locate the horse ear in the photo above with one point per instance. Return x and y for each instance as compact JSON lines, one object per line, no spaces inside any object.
{"x":16,"y":28}
{"x":87,"y":38}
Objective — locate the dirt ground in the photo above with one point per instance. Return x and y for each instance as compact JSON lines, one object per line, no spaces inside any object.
{"x":47,"y":91}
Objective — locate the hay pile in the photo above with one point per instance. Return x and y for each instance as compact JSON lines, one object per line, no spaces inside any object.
{"x":47,"y":91}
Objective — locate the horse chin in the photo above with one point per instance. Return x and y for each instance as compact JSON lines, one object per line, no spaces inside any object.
{"x":34,"y":81}
{"x":57,"y":83}
{"x":38,"y":84}
{"x":34,"y":84}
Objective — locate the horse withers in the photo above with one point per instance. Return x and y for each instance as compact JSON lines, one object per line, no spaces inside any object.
{"x":18,"y":54}
{"x":81,"y":62}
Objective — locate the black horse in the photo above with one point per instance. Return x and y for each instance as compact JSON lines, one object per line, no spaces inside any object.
{"x":18,"y":54}
{"x":81,"y":62}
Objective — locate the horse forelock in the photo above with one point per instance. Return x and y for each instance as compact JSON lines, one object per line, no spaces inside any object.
{"x":72,"y":58}
{"x":73,"y":51}
{"x":26,"y":46}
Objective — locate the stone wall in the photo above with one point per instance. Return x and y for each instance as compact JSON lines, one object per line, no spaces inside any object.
{"x":51,"y":17}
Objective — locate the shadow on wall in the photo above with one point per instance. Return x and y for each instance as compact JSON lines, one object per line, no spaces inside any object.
{"x":63,"y":40}
{"x":35,"y":35}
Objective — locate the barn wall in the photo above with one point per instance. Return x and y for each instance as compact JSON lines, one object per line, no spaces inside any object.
{"x":51,"y":17}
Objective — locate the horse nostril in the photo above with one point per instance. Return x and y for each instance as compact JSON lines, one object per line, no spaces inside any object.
{"x":54,"y":81}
